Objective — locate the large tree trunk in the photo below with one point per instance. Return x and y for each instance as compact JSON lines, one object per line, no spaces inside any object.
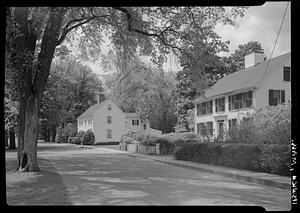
{"x":29,"y":153}
{"x":21,"y":127}
{"x":12,"y":139}
{"x":33,"y":79}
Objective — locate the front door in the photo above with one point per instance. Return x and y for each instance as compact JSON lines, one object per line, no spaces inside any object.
{"x":221,"y":129}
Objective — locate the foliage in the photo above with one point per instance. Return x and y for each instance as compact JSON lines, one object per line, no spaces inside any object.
{"x":143,"y":138}
{"x":166,"y":146}
{"x":235,"y":61}
{"x":10,"y":110}
{"x":255,"y":157}
{"x":35,"y":32}
{"x":80,"y":136}
{"x":88,"y":137}
{"x":146,"y":90}
{"x":274,"y":124}
{"x":63,"y":134}
{"x":244,"y":132}
{"x":69,"y":92}
{"x":192,"y":83}
{"x":270,"y":125}
{"x":276,"y":159}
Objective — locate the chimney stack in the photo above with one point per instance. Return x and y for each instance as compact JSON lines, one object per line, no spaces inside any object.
{"x":253,"y":58}
{"x":100,"y":96}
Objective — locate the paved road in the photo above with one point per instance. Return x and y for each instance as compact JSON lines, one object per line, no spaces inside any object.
{"x":103,"y":176}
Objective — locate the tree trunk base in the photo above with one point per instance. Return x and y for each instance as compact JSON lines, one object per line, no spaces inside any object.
{"x":24,"y":165}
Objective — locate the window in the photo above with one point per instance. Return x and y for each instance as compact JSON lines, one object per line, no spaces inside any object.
{"x":109,"y":134}
{"x":90,"y":121}
{"x":202,"y":129}
{"x":109,"y":119}
{"x":80,"y":123}
{"x":85,"y":122}
{"x":145,"y":126}
{"x":240,"y":101}
{"x":135,"y":122}
{"x":232,"y":124}
{"x":209,"y":128}
{"x":204,"y":108}
{"x":276,"y":97}
{"x":287,"y":73}
{"x":220,"y":104}
{"x":247,"y":99}
{"x":108,"y":107}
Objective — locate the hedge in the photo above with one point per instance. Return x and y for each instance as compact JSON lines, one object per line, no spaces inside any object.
{"x":256,"y":157}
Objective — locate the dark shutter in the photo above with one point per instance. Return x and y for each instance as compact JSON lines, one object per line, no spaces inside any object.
{"x":270,"y":97}
{"x":282,"y":96}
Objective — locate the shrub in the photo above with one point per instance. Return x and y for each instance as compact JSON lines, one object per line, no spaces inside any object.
{"x":276,"y":159}
{"x":166,"y":146}
{"x":242,"y":156}
{"x":244,"y":132}
{"x":126,"y":139}
{"x":274,"y":124}
{"x":63,"y":134}
{"x":79,"y":136}
{"x":88,"y":137}
{"x":256,"y":157}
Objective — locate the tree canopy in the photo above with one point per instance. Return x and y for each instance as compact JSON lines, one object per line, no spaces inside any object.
{"x":34,"y":33}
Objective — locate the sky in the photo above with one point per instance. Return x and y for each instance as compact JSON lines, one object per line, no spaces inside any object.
{"x":259,"y":23}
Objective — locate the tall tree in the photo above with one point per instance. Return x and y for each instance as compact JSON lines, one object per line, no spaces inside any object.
{"x":69,"y":92}
{"x":145,"y":90}
{"x":34,"y":33}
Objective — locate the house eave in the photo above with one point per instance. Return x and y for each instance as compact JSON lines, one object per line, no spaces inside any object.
{"x":224,"y":94}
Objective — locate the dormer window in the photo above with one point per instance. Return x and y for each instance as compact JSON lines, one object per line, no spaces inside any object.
{"x":108,"y":107}
{"x":286,"y":73}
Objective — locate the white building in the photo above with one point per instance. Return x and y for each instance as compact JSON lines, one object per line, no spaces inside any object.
{"x":261,"y":83}
{"x":108,"y":122}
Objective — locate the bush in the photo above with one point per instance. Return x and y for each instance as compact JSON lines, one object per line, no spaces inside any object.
{"x":166,"y":146}
{"x":255,"y":157}
{"x":244,"y":132}
{"x":126,"y":139}
{"x":88,"y":137}
{"x":241,"y":156}
{"x":274,"y":124}
{"x":276,"y":159}
{"x":79,"y":136}
{"x":63,"y":134}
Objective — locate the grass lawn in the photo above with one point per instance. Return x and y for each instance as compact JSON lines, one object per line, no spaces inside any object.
{"x":35,"y":188}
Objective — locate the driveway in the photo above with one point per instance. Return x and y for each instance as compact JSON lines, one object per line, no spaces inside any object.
{"x":102,"y":176}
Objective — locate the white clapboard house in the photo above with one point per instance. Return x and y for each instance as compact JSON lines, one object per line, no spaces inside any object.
{"x":262,"y":82}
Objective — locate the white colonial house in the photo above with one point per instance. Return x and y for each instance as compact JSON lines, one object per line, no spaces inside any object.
{"x":108,"y":122}
{"x":262,"y":82}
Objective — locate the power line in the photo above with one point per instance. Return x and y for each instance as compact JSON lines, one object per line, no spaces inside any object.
{"x":276,"y":39}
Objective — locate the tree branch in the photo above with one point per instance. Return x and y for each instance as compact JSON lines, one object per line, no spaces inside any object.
{"x":159,"y":36}
{"x":82,"y":21}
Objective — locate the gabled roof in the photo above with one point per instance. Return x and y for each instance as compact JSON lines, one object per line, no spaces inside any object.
{"x":89,"y":112}
{"x":246,"y":78}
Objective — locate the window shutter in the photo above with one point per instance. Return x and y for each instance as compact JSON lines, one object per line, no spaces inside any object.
{"x":282,"y":96}
{"x":270,"y":97}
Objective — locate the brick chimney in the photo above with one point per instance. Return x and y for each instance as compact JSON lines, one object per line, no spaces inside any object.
{"x":253,"y":58}
{"x":100,"y":96}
